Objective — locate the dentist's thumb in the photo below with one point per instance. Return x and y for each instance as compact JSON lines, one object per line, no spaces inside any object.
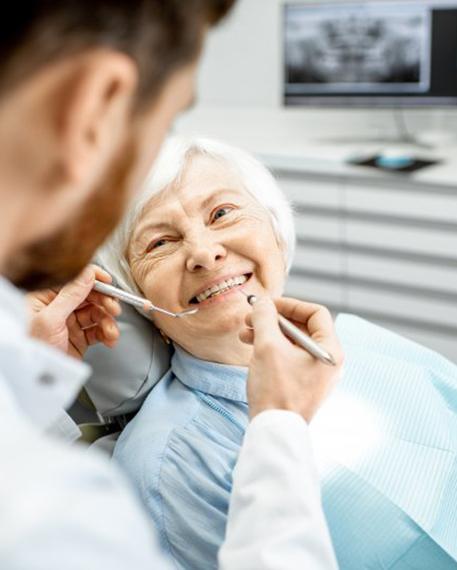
{"x":264,"y":320}
{"x":72,"y":295}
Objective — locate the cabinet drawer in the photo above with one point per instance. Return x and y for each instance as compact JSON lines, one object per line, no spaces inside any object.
{"x":319,"y":227}
{"x":306,"y":192}
{"x":406,"y":239}
{"x":404,"y":273}
{"x":322,"y":292}
{"x":431,"y":312}
{"x":420,"y":206}
{"x":309,"y":258}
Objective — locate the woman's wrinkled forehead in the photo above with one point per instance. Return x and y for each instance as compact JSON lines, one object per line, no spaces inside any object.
{"x":202,"y":180}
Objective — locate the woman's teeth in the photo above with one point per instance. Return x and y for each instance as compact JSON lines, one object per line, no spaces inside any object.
{"x":221,"y":287}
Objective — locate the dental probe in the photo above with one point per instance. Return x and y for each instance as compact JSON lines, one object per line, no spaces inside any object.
{"x":137,"y":301}
{"x":298,"y":336}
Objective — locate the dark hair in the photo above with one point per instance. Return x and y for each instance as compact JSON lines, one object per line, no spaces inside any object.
{"x":160,"y":35}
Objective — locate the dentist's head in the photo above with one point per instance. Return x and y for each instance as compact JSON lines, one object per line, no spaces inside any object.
{"x":210,"y":221}
{"x":88,"y":90}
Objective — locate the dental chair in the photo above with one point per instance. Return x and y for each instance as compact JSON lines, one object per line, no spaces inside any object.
{"x":121,"y":379}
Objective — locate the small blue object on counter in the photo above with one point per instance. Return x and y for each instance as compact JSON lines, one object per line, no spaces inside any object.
{"x":394,"y":159}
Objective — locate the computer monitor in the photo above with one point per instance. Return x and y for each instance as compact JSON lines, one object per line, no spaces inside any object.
{"x":381,"y":53}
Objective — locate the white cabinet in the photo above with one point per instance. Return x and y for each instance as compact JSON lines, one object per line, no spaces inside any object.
{"x":383,"y":249}
{"x":317,"y":272}
{"x":400,"y":237}
{"x":429,"y":206}
{"x":402,"y":272}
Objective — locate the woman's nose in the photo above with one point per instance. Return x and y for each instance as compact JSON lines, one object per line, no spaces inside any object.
{"x":205,"y":254}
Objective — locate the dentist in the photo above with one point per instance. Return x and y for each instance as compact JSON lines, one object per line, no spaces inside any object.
{"x":88,"y":90}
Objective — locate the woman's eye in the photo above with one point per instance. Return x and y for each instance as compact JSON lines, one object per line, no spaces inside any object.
{"x":156,"y":244}
{"x":221,"y":212}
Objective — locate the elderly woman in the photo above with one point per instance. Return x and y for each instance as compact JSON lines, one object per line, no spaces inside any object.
{"x":211,"y":224}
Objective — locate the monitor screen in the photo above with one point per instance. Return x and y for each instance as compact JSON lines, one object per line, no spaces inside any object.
{"x":383,"y":53}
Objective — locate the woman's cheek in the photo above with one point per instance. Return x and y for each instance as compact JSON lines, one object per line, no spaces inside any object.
{"x":143,"y":274}
{"x":139,"y":271}
{"x":244,"y":234}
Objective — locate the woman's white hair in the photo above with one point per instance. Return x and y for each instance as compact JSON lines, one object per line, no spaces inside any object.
{"x":168,"y":168}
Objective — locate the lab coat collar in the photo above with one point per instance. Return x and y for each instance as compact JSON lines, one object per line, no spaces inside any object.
{"x":42,"y":380}
{"x":221,"y":380}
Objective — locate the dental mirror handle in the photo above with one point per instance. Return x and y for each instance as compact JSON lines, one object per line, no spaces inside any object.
{"x":305,"y":341}
{"x":129,"y":298}
{"x":300,"y":338}
{"x":137,"y":301}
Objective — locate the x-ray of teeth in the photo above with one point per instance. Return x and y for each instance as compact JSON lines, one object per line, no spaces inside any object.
{"x":371,"y":49}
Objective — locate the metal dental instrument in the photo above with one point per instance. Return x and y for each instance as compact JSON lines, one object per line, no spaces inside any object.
{"x":137,"y":301}
{"x":298,"y":336}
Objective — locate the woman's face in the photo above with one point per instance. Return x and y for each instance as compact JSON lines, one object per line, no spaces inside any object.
{"x":197,"y":245}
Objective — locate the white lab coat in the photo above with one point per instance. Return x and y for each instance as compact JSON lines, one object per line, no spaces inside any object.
{"x":65,"y":507}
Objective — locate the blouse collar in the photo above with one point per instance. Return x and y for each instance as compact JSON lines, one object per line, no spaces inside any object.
{"x":221,"y":380}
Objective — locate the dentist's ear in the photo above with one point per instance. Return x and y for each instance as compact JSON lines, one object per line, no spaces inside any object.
{"x":93,"y":113}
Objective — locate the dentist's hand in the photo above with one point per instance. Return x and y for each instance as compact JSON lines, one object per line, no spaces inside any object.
{"x":282,"y":375}
{"x":75,"y":317}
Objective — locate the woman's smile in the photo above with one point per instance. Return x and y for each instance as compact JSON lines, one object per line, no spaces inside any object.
{"x":219,"y":289}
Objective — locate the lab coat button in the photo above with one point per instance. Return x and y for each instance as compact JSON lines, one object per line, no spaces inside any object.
{"x":46,"y":379}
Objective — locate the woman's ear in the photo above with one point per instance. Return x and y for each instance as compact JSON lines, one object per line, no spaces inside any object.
{"x":283,"y":249}
{"x":94,"y":108}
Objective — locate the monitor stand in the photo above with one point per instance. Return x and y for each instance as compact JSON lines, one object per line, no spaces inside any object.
{"x":402,"y":138}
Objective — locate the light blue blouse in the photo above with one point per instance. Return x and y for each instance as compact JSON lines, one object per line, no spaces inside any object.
{"x":386,"y":444}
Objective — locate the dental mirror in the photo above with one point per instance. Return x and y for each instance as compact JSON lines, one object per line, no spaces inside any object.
{"x":137,"y":301}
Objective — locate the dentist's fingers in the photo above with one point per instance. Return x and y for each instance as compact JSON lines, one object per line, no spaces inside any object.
{"x":80,"y":291}
{"x":89,"y":316}
{"x":54,"y":313}
{"x":53,"y":317}
{"x":72,"y":295}
{"x":101,"y":274}
{"x":112,"y":305}
{"x":316,"y":320}
{"x":80,"y":340}
{"x":264,"y":319}
{"x":105,"y":332}
{"x":94,"y":315}
{"x":91,"y":326}
{"x":247,"y":336}
{"x":281,"y":374}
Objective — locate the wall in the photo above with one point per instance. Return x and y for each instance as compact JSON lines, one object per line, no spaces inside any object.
{"x":242,"y":63}
{"x":242,"y":68}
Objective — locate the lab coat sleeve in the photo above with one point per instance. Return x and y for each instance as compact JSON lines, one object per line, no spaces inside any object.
{"x":276,"y":521}
{"x":65,"y":508}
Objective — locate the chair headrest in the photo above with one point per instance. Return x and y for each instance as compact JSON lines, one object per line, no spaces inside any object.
{"x":123,"y":376}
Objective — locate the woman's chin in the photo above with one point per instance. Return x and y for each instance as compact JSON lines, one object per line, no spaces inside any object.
{"x":229,"y":320}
